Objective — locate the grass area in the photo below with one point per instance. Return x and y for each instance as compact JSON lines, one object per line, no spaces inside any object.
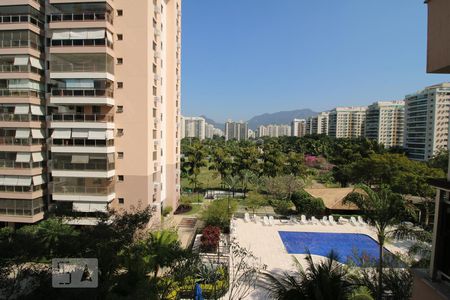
{"x":196,"y":209}
{"x":209,"y":179}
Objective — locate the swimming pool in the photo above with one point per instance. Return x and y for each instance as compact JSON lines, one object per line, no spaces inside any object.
{"x":347,"y":245}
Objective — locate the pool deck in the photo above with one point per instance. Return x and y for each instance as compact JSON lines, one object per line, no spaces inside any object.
{"x":266,"y":244}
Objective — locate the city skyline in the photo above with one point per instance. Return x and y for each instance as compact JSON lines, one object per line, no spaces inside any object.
{"x":378,"y":60}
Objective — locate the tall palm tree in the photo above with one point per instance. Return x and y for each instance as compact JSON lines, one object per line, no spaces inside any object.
{"x":325,"y":280}
{"x":247,"y":177}
{"x":384,"y":210}
{"x":163,"y":249}
{"x":232,"y":183}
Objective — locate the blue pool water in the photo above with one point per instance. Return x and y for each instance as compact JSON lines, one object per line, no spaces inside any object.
{"x":347,"y":245}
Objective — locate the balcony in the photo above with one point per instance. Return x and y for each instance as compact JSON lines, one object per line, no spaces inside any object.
{"x":86,"y":121}
{"x":86,"y":170}
{"x":12,"y":144}
{"x":82,"y":96}
{"x":22,"y":211}
{"x":63,"y":192}
{"x":14,"y":168}
{"x":83,"y":43}
{"x":82,"y":146}
{"x":11,"y":117}
{"x":81,"y":17}
{"x":16,"y":19}
{"x":69,"y":66}
{"x":20,"y":69}
{"x":21,"y":93}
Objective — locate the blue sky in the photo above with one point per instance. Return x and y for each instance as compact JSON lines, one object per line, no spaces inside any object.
{"x":242,"y":58}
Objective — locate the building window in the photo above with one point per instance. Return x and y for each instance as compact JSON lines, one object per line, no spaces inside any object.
{"x":120,"y":178}
{"x":119,"y":131}
{"x":120,"y":85}
{"x":120,"y":37}
{"x":119,"y":109}
{"x":96,"y":109}
{"x":119,"y":60}
{"x":121,"y":200}
{"x":120,"y":12}
{"x":120,"y":155}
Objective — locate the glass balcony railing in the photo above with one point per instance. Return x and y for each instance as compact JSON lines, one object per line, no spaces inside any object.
{"x":13,"y":207}
{"x":20,"y":44}
{"x":100,"y":118}
{"x":21,"y":189}
{"x":91,"y":166}
{"x":11,"y":164}
{"x":83,"y":93}
{"x":10,"y":117}
{"x":12,"y":141}
{"x":20,"y":69}
{"x":83,"y":190}
{"x":13,"y":19}
{"x":82,"y":43}
{"x":82,"y":17}
{"x":82,"y":143}
{"x":57,"y":67}
{"x":21,"y":93}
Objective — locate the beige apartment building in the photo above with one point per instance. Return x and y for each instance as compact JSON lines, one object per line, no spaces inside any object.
{"x":426,"y":121}
{"x":90,"y":96}
{"x":347,"y":122}
{"x":318,"y":124}
{"x":298,"y":127}
{"x":194,"y":127}
{"x":385,"y":122}
{"x":236,"y":131}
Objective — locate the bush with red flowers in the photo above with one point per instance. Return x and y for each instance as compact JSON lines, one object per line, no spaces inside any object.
{"x":210,"y":239}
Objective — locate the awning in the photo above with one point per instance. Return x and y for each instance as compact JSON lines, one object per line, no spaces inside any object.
{"x":89,"y":207}
{"x":22,"y":133}
{"x":110,"y":157}
{"x":80,"y":133}
{"x":36,"y":63}
{"x":2,"y":180}
{"x":38,"y":156}
{"x":61,"y":133}
{"x":78,"y":34}
{"x":96,"y":34}
{"x":22,"y":109}
{"x":79,"y":83}
{"x":38,"y":180}
{"x":109,"y":134}
{"x":37,"y":110}
{"x":61,"y":35}
{"x":80,"y":159}
{"x":21,"y":60}
{"x":97,"y":135}
{"x":37,"y":133}
{"x":109,"y":36}
{"x":11,"y":180}
{"x":23,"y":157}
{"x":24,"y":181}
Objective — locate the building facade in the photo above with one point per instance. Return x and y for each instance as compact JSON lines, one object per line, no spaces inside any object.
{"x":274,"y":130}
{"x":236,"y":131}
{"x":105,"y":75}
{"x":318,"y":124}
{"x":298,"y":127}
{"x":347,"y":122}
{"x":194,"y":127}
{"x":385,"y":123}
{"x":426,"y":121}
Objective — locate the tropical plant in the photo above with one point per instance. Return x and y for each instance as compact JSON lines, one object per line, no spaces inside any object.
{"x":193,"y":162}
{"x":383,"y":209}
{"x":307,"y":204}
{"x":247,"y":177}
{"x":219,"y":213}
{"x":232,"y":183}
{"x":325,"y":280}
{"x":210,"y":238}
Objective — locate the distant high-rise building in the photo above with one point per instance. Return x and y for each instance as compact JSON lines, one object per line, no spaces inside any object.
{"x":298,"y":127}
{"x":385,"y":122}
{"x":318,"y":124}
{"x":251,"y":134}
{"x":347,"y":122}
{"x":236,"y":131}
{"x":427,"y":121}
{"x":218,"y":132}
{"x":274,"y":130}
{"x":209,"y":131}
{"x":95,"y":86}
{"x":193,"y":127}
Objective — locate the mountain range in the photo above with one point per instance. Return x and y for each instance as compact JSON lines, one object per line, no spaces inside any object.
{"x":281,"y":117}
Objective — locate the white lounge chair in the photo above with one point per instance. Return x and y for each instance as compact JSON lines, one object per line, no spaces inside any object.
{"x":247,"y":217}
{"x":266,"y":221}
{"x":271,"y":221}
{"x":314,"y":220}
{"x":303,"y":220}
{"x":353,"y":221}
{"x":324,"y":221}
{"x":332,"y":221}
{"x":361,"y":221}
{"x":255,"y":218}
{"x":342,"y":221}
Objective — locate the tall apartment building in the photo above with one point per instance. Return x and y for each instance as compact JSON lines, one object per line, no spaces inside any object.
{"x":347,"y":122}
{"x":385,"y":122}
{"x":193,"y":127}
{"x":209,"y":131}
{"x":236,"y":131}
{"x":318,"y":124}
{"x":298,"y":127}
{"x":109,"y":73}
{"x":427,"y":121}
{"x":274,"y":130}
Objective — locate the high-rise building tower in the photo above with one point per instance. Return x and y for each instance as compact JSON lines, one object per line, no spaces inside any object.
{"x":347,"y":122}
{"x":385,"y":122}
{"x":426,"y":121}
{"x":298,"y":127}
{"x":193,"y":127}
{"x":113,"y":103}
{"x":236,"y":131}
{"x":318,"y":124}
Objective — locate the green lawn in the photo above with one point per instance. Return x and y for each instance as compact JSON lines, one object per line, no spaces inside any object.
{"x":209,"y":179}
{"x":196,"y":209}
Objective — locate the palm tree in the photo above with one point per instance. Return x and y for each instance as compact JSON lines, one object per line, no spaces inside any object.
{"x":163,"y":249}
{"x":232,"y":183}
{"x":383,"y":210}
{"x":247,"y":177}
{"x":325,"y":280}
{"x":52,"y":232}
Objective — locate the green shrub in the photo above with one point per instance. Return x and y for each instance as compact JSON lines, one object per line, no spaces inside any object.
{"x":218,"y":214}
{"x":167,"y":210}
{"x":307,"y":204}
{"x":282,"y":207}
